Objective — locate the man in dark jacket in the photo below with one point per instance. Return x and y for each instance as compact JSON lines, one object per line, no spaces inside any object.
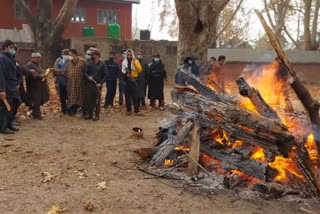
{"x":111,"y":79}
{"x":94,"y":79}
{"x":156,"y":77}
{"x":61,"y":79}
{"x":37,"y":88}
{"x":8,"y":86}
{"x":142,"y":81}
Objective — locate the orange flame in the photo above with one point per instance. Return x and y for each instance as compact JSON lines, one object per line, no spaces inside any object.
{"x":311,"y":147}
{"x":283,"y":165}
{"x":168,"y":162}
{"x":258,"y":154}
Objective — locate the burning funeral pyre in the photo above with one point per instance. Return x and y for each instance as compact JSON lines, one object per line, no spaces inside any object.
{"x":221,"y":140}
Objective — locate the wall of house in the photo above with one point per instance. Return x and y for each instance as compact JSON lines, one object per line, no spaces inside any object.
{"x":167,"y":49}
{"x":8,"y":20}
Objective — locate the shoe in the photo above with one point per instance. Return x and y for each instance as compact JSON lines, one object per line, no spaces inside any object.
{"x":161,"y":108}
{"x":13,"y":128}
{"x":6,"y":131}
{"x":128,"y":113}
{"x":15,"y":123}
{"x":139,"y":114}
{"x":95,"y":118}
{"x":87,"y":117}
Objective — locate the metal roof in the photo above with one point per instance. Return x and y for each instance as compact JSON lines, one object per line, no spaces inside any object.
{"x":264,"y":56}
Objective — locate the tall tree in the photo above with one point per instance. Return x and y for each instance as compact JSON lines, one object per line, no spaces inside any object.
{"x":306,"y":22}
{"x":46,"y":30}
{"x":277,"y":18}
{"x":314,"y":30}
{"x":197,"y":26}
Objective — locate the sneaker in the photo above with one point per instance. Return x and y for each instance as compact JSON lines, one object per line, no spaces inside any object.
{"x":161,"y":108}
{"x":13,"y":128}
{"x":6,"y":132}
{"x":87,"y":117}
{"x":128,"y":113}
{"x":139,"y":114}
{"x":95,"y":118}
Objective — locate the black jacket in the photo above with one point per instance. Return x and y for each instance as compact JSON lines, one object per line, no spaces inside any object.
{"x":156,"y":77}
{"x":8,"y":75}
{"x":97,"y":71}
{"x":113,"y":70}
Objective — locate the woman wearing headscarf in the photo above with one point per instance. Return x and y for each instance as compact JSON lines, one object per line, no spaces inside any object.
{"x":131,"y":69}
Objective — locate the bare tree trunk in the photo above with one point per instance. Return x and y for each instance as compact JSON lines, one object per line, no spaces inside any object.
{"x":197,"y":27}
{"x":48,"y":33}
{"x":315,"y":24}
{"x":307,"y":17}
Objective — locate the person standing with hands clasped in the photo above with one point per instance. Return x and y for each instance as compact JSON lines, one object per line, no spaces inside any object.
{"x":94,"y":79}
{"x":131,"y":69}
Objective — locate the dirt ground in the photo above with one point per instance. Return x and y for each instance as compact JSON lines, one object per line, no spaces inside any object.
{"x":79,"y":154}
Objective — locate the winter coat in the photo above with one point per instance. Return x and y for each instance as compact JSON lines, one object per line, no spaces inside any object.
{"x":61,"y":64}
{"x":156,"y":77}
{"x":97,"y":71}
{"x":142,"y":79}
{"x":37,"y":89}
{"x":74,"y":72}
{"x":113,"y":70}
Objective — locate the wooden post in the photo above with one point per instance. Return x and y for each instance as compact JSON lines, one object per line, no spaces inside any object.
{"x":194,"y":150}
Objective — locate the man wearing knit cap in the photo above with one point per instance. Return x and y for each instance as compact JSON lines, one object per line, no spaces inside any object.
{"x":37,"y":88}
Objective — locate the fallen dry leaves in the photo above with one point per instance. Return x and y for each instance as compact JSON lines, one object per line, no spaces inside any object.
{"x":47,"y":177}
{"x":101,"y":185}
{"x":89,"y":206}
{"x":56,"y":209}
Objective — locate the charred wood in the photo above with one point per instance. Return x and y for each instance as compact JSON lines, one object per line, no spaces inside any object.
{"x":255,"y":97}
{"x":250,"y":167}
{"x":238,"y":123}
{"x":168,"y":146}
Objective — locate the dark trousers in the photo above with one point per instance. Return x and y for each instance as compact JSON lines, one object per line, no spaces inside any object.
{"x":111,"y":92}
{"x":141,"y":101}
{"x":93,"y":98}
{"x":153,"y":102}
{"x":15,"y":106}
{"x":130,"y":96}
{"x":4,"y":116}
{"x":121,"y":91}
{"x":36,"y":112}
{"x":63,"y":95}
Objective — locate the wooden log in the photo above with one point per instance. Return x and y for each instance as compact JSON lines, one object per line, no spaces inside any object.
{"x":194,"y":150}
{"x":255,"y":97}
{"x":311,"y":105}
{"x":238,"y":123}
{"x":168,"y":146}
{"x":250,"y":167}
{"x":205,"y":90}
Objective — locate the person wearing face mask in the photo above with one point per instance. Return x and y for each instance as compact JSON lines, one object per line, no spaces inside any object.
{"x":94,"y":79}
{"x":111,"y":79}
{"x":156,"y":77}
{"x":8,"y":86}
{"x":190,"y":65}
{"x":61,"y":80}
{"x":142,"y":81}
{"x":131,"y":69}
{"x":74,"y":72}
{"x":121,"y":76}
{"x":37,"y":88}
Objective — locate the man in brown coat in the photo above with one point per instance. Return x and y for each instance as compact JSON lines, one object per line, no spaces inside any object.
{"x":217,"y":73}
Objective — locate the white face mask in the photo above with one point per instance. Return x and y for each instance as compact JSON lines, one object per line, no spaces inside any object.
{"x":71,"y":58}
{"x":88,"y":56}
{"x":65,"y":57}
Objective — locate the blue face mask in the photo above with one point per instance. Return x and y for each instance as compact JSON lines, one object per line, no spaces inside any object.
{"x":12,"y":51}
{"x":190,"y":62}
{"x":156,"y":60}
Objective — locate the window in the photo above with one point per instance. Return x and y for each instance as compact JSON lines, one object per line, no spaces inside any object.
{"x":18,"y":12}
{"x":107,"y":16}
{"x":171,"y":50}
{"x":80,"y":15}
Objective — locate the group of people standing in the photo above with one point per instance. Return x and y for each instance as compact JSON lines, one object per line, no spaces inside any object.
{"x":79,"y":83}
